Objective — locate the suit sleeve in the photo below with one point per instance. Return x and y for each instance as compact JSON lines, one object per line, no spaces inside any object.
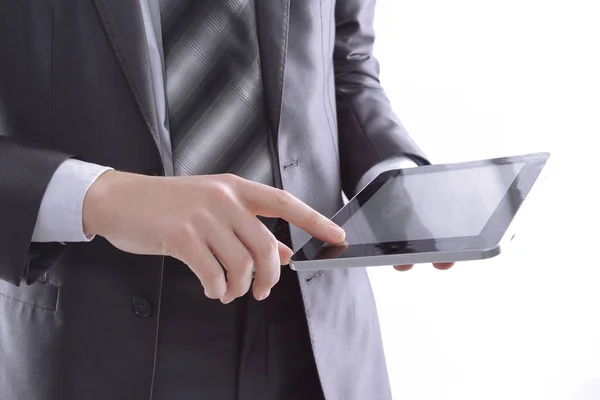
{"x":369,"y":131}
{"x":25,"y":172}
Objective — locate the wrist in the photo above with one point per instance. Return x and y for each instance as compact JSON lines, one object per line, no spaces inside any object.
{"x":96,"y":202}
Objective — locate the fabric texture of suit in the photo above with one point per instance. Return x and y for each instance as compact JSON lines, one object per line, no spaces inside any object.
{"x":75,"y":82}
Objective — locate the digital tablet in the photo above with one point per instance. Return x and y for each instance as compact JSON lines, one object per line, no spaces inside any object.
{"x":435,"y":213}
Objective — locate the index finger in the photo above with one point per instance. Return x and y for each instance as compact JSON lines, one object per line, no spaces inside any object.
{"x":276,"y":203}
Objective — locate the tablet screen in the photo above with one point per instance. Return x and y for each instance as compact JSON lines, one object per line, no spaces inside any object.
{"x":438,"y":204}
{"x":451,"y":207}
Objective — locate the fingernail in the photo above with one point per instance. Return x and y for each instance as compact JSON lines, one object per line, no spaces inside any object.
{"x":226,"y":300}
{"x":265,"y":295}
{"x":336,"y":231}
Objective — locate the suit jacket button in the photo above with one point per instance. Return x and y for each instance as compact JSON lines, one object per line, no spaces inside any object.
{"x":141,"y":307}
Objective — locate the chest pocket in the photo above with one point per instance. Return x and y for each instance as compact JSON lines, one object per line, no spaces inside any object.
{"x":42,"y":296}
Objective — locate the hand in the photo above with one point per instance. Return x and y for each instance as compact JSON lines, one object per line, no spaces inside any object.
{"x":442,"y":266}
{"x":197,"y":218}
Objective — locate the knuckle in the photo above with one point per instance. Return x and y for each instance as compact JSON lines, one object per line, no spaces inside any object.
{"x":211,"y":276}
{"x":283,"y":198}
{"x":183,"y":232}
{"x":246,"y":263}
{"x":228,"y":177}
{"x":230,"y":180}
{"x":269,"y":245}
{"x":223,"y":194}
{"x":314,"y":217}
{"x":272,"y":279}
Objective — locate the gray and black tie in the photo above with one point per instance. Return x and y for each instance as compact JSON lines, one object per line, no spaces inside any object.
{"x":214,"y":89}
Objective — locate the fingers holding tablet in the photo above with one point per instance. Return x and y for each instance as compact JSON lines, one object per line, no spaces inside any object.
{"x":441,"y":266}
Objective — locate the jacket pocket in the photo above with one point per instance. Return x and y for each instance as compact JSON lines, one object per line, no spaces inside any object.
{"x":40,"y":295}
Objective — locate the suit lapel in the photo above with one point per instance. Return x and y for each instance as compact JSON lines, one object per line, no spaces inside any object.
{"x":124,"y":26}
{"x":272,"y":17}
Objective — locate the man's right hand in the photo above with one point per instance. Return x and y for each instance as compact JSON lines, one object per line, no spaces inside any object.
{"x":196,"y":218}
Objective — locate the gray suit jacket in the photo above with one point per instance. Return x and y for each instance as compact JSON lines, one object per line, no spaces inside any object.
{"x":75,"y":82}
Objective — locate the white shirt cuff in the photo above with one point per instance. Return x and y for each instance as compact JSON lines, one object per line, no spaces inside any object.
{"x":399,"y":162}
{"x":60,"y":218}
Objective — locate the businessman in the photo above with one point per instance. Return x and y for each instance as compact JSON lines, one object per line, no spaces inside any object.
{"x":152,"y":155}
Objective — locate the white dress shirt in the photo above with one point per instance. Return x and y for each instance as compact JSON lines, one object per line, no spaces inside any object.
{"x":60,"y":218}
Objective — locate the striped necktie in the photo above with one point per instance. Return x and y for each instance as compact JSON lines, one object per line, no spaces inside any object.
{"x":214,"y":89}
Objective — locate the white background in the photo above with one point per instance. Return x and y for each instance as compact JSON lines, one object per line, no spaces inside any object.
{"x":473,"y":79}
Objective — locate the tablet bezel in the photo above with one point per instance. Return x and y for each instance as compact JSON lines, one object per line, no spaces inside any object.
{"x":489,"y":237}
